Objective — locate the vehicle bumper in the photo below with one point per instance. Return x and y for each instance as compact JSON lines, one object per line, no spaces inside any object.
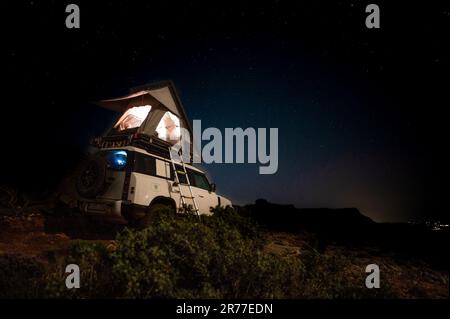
{"x":106,"y":209}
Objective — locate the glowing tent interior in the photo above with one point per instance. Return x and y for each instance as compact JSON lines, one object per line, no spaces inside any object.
{"x":154,"y":110}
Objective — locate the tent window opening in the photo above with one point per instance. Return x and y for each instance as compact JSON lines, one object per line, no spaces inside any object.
{"x":168,"y":128}
{"x":133,"y":117}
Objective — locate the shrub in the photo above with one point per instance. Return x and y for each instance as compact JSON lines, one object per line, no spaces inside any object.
{"x":95,"y":265}
{"x":333,"y":275}
{"x":218,"y":256}
{"x":186,"y":258}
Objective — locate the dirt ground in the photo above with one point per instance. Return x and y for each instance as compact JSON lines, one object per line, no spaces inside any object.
{"x":34,"y":234}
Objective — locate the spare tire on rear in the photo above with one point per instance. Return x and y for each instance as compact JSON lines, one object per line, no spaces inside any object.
{"x":91,"y":177}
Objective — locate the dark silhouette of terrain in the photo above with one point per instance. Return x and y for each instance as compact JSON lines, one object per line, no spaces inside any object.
{"x":348,"y":226}
{"x":288,"y":217}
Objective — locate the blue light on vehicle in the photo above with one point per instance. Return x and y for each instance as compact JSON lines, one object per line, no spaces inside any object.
{"x":118,"y":159}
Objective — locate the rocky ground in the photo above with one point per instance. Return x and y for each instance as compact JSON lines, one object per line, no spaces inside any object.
{"x":408,"y":277}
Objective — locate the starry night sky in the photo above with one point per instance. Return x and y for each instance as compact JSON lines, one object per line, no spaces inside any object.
{"x":359,"y":111}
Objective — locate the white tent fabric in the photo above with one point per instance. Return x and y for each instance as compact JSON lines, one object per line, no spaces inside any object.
{"x":169,"y":127}
{"x":133,"y":117}
{"x":165,"y":97}
{"x":164,"y":111}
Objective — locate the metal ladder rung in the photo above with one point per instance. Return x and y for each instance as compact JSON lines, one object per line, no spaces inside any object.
{"x":188,"y":183}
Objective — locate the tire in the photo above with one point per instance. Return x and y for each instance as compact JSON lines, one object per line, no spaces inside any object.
{"x":91,"y":178}
{"x":149,"y":217}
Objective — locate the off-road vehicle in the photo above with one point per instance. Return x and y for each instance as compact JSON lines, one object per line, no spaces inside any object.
{"x":132,"y":172}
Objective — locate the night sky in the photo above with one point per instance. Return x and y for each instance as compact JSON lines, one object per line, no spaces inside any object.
{"x":359,"y":111}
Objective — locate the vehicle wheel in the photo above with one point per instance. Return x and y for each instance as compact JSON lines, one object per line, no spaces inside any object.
{"x":150,"y":214}
{"x":91,"y":177}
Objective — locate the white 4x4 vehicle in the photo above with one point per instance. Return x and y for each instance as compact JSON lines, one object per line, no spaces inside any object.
{"x":132,"y":173}
{"x":128,"y":183}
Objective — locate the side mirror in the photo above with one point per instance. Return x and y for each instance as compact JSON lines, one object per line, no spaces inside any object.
{"x":212,"y":187}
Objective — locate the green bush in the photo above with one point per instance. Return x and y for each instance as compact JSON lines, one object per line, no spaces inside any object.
{"x":333,"y":276}
{"x":218,"y":256}
{"x":95,"y":265}
{"x":188,"y":258}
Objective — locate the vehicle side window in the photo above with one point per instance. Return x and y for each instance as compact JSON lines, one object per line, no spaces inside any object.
{"x":197,"y":179}
{"x":191,"y":176}
{"x":144,"y":164}
{"x":200,"y":181}
{"x":181,"y":175}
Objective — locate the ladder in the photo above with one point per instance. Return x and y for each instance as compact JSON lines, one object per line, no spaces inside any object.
{"x":177,"y":180}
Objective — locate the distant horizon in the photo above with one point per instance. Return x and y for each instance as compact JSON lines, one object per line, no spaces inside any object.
{"x":349,"y":207}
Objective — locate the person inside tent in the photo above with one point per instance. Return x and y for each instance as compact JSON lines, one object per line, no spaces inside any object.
{"x":169,"y":128}
{"x":133,"y":117}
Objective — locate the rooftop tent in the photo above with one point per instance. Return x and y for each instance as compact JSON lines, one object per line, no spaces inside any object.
{"x":153,"y":109}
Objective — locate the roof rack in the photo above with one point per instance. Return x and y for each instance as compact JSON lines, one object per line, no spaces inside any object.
{"x":148,"y":143}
